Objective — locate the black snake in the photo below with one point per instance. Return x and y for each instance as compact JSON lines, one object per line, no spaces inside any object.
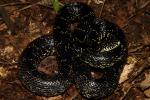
{"x":93,"y":44}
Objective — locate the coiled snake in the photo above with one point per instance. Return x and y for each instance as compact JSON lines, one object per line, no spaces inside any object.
{"x":93,"y":45}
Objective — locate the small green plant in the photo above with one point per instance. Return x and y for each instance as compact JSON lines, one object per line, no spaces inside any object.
{"x":56,"y":5}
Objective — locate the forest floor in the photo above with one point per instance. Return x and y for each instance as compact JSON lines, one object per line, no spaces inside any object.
{"x":22,"y":21}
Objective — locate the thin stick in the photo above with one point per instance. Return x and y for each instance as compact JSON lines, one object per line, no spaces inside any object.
{"x":14,"y":4}
{"x":102,"y":9}
{"x":10,"y":24}
{"x":135,"y":13}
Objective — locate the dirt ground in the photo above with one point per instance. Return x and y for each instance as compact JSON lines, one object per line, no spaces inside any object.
{"x":22,"y":21}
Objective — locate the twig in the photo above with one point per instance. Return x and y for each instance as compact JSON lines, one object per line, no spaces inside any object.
{"x":29,"y":6}
{"x":102,"y":8}
{"x":135,"y":13}
{"x":139,"y":48}
{"x":42,"y":3}
{"x":10,"y":24}
{"x":98,"y":2}
{"x":128,"y":84}
{"x":14,"y":4}
{"x":8,"y":64}
{"x":143,"y":65}
{"x":4,"y":62}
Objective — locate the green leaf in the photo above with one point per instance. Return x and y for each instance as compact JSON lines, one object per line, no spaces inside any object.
{"x":56,"y":5}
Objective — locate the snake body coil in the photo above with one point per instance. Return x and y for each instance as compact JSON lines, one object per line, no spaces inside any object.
{"x":36,"y":82}
{"x":92,"y":45}
{"x":69,"y":15}
{"x":103,"y":45}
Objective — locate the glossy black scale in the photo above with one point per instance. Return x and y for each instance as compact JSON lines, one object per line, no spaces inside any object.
{"x":103,"y":43}
{"x":92,"y":44}
{"x":35,"y":81}
{"x":69,"y":15}
{"x":96,"y":88}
